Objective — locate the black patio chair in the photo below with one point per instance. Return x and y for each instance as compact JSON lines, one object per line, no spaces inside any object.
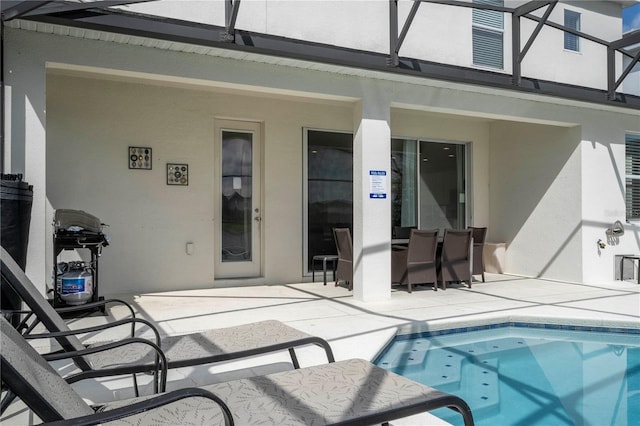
{"x":344,"y":246}
{"x":479,"y":235}
{"x":456,"y":258}
{"x":416,"y":264}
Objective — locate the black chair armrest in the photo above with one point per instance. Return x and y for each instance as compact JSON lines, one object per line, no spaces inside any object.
{"x":97,"y":304}
{"x":133,"y":321}
{"x":146,"y":405}
{"x":160,"y":365}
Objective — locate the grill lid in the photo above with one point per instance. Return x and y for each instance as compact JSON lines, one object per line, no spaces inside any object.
{"x":76,"y":221}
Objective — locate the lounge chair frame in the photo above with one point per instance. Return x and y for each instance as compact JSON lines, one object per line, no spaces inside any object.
{"x":350,"y":392}
{"x":285,"y":337}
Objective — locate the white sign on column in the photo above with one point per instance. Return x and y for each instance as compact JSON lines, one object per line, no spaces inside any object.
{"x":378,"y":184}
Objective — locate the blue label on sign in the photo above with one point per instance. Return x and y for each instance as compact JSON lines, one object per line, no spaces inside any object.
{"x":377,"y":172}
{"x":72,"y":285}
{"x":377,"y":195}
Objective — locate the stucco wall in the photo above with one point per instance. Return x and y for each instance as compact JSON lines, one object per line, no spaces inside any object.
{"x":548,"y":60}
{"x":439,"y":33}
{"x":91,"y":123}
{"x":603,"y":158}
{"x":176,"y":97}
{"x":536,"y":199}
{"x":457,"y":129}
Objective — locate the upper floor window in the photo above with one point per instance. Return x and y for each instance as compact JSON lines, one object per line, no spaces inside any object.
{"x":488,"y":35}
{"x":571,"y":20}
{"x":632,"y":172}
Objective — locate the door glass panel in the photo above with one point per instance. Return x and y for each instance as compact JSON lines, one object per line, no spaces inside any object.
{"x":442,"y":186}
{"x":237,"y":170}
{"x":329,"y":189}
{"x":404,"y":191}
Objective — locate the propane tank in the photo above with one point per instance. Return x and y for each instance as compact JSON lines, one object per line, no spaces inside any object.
{"x":76,"y":284}
{"x":61,"y":268}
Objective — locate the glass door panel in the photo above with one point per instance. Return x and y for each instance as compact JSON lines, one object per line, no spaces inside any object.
{"x":239,"y":216}
{"x":404,"y":189}
{"x":237,"y":212}
{"x":329,"y":189}
{"x":442,"y":185}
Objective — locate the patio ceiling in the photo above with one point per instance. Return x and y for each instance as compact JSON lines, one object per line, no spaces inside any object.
{"x":101,"y":17}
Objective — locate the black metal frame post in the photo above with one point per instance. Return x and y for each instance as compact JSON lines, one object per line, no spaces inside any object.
{"x":618,"y":46}
{"x":231,"y":8}
{"x":517,"y":54}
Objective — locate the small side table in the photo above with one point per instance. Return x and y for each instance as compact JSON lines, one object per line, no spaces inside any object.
{"x":631,"y":257}
{"x":325,"y":258}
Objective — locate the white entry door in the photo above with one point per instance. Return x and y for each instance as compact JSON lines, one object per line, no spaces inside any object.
{"x":238,"y":199}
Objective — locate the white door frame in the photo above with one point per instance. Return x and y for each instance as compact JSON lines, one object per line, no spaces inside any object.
{"x":228,"y":267}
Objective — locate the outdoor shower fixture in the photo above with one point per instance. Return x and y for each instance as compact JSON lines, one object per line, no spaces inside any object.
{"x":616,"y":229}
{"x":614,"y":233}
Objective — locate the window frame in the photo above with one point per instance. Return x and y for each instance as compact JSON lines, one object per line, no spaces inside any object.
{"x":482,"y":27}
{"x":466,"y":170}
{"x":569,"y":38}
{"x":306,"y":256}
{"x":630,"y":176}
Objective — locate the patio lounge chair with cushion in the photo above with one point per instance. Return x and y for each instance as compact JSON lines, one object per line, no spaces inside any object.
{"x":479,"y":235}
{"x":352,"y":392}
{"x":344,"y":245}
{"x":181,"y":350}
{"x":456,"y":258}
{"x":416,"y":264}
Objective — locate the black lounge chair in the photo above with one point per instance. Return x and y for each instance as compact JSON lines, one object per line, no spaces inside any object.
{"x":208,"y":347}
{"x":352,"y":392}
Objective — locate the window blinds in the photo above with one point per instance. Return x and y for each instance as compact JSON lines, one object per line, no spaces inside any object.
{"x":572,"y":20}
{"x":632,"y":166}
{"x":488,"y":44}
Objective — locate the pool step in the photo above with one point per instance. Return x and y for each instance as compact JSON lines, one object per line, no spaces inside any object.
{"x":443,"y":370}
{"x":483,"y":377}
{"x":406,"y":359}
{"x":451,"y":371}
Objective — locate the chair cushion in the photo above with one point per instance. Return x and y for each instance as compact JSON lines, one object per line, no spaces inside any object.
{"x":324,"y":394}
{"x":208,"y":346}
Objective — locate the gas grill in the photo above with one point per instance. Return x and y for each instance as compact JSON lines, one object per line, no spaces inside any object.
{"x":76,"y":229}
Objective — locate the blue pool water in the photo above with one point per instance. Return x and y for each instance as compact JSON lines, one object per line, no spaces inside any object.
{"x":527,"y":376}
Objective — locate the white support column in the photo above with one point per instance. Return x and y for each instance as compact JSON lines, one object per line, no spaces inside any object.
{"x":371,"y":215}
{"x":25,"y":147}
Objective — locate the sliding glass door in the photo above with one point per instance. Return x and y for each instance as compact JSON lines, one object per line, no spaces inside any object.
{"x":428,"y":187}
{"x":428,"y":184}
{"x":328,"y":189}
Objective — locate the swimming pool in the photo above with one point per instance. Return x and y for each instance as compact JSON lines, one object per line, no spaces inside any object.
{"x":525,"y":374}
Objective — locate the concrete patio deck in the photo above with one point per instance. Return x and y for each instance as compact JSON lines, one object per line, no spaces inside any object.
{"x":356,"y":329}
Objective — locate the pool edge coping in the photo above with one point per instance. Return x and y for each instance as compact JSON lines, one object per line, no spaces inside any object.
{"x":481,"y":322}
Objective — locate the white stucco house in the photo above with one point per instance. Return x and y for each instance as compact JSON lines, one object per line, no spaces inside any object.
{"x":287,"y":118}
